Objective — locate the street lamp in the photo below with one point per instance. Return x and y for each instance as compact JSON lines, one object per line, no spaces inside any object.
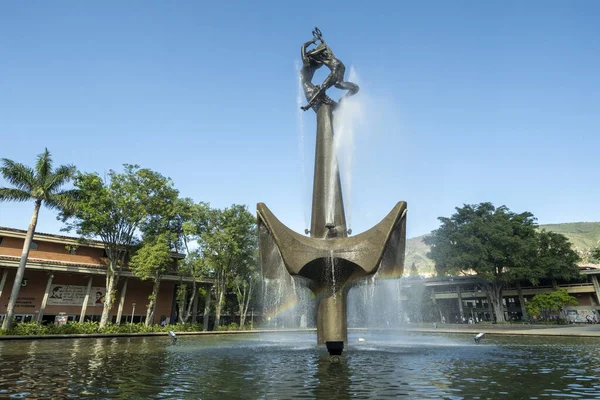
{"x":132,"y":312}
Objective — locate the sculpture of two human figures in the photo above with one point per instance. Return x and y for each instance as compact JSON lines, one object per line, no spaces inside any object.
{"x":314,"y":59}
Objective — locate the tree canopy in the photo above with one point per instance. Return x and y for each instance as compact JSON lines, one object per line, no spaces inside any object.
{"x":151,"y":261}
{"x":44,"y":185}
{"x":544,"y":304}
{"x":114,"y":210}
{"x":500,"y":247}
{"x":228,"y":245}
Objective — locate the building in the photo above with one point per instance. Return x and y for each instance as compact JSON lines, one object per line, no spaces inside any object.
{"x":67,"y":277}
{"x":459,"y":298}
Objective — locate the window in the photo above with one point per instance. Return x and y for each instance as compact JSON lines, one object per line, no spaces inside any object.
{"x":33,"y":246}
{"x":1,"y":239}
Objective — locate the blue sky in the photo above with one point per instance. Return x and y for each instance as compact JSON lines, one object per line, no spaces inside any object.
{"x":465,"y":101}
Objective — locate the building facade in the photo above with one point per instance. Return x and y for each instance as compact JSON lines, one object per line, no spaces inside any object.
{"x":463,"y":299}
{"x":65,"y":277}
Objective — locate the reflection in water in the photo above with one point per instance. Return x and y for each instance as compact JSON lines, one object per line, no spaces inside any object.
{"x":290,"y":366}
{"x":333,"y":379}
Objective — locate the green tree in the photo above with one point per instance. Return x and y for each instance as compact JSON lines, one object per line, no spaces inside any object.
{"x":500,"y":247}
{"x":182,"y":221}
{"x":43,"y":184}
{"x":555,"y":258}
{"x":152,"y":261}
{"x":494,"y":244}
{"x":113,"y":211}
{"x":544,"y":304}
{"x":244,"y":282}
{"x":596,"y":255}
{"x":228,"y":243}
{"x":195,"y":220}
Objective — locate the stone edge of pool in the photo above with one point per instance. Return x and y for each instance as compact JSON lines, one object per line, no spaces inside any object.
{"x":573,"y":331}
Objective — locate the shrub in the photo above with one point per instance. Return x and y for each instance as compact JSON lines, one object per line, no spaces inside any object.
{"x":28,"y":328}
{"x":231,"y":327}
{"x":34,"y":328}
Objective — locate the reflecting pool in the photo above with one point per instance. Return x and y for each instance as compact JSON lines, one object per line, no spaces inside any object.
{"x":290,"y":366}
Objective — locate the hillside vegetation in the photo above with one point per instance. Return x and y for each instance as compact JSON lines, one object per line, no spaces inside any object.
{"x":585,"y":236}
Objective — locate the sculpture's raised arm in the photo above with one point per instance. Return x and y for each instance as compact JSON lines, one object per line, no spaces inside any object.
{"x":305,"y":59}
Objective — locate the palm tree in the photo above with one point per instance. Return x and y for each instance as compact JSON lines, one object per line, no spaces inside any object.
{"x":42,"y":185}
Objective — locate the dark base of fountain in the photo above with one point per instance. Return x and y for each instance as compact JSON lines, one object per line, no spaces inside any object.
{"x":335,"y":348}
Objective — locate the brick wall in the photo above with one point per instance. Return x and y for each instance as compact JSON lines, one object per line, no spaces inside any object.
{"x":31,"y":295}
{"x":52,"y":251}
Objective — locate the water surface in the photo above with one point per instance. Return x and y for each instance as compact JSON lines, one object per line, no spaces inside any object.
{"x":291,"y":366}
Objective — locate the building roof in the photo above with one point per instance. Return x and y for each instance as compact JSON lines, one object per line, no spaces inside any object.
{"x":48,"y":237}
{"x":53,"y":262}
{"x":65,"y":266}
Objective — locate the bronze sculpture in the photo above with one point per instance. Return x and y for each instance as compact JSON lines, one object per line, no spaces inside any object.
{"x":329,"y":260}
{"x":315,"y":59}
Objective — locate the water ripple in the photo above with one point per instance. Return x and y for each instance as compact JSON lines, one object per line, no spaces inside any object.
{"x":269,"y":366}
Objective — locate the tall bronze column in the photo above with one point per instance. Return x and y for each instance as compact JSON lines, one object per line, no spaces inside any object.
{"x":329,"y":259}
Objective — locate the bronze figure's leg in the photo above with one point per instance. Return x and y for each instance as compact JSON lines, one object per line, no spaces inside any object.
{"x":352,"y":88}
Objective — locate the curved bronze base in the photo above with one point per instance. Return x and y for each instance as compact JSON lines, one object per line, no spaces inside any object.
{"x":332,"y":266}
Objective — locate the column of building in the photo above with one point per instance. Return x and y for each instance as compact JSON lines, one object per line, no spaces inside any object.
{"x":521,"y":301}
{"x":596,"y":287}
{"x":86,"y":299}
{"x":460,"y":303}
{"x":3,"y":280}
{"x":195,"y":308}
{"x":122,"y":302}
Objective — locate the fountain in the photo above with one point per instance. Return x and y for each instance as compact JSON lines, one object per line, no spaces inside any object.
{"x":329,"y":262}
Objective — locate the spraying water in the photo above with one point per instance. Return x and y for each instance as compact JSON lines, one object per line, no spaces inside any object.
{"x":349,"y":118}
{"x":332,"y":262}
{"x":301,"y":135}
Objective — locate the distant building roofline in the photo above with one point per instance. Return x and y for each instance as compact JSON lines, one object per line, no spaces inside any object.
{"x":63,"y":239}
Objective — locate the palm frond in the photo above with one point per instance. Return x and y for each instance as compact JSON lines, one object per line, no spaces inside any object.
{"x":59,"y":177}
{"x":11,"y":194}
{"x":43,"y":166}
{"x":63,"y":201}
{"x":18,"y":175}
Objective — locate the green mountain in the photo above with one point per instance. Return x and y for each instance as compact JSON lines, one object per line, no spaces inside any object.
{"x":585,"y":236}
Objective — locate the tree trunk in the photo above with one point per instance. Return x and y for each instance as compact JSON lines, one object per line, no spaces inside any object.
{"x":191,"y":303}
{"x":495,"y":291}
{"x":10,"y":309}
{"x":218,"y":308}
{"x":111,"y":283}
{"x":206,"y":316}
{"x":241,"y":299}
{"x":182,"y":302}
{"x":246,"y":303}
{"x":152,"y":302}
{"x":241,"y":302}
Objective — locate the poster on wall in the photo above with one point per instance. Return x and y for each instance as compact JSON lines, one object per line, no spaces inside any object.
{"x":581,"y":316}
{"x":73,"y":295}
